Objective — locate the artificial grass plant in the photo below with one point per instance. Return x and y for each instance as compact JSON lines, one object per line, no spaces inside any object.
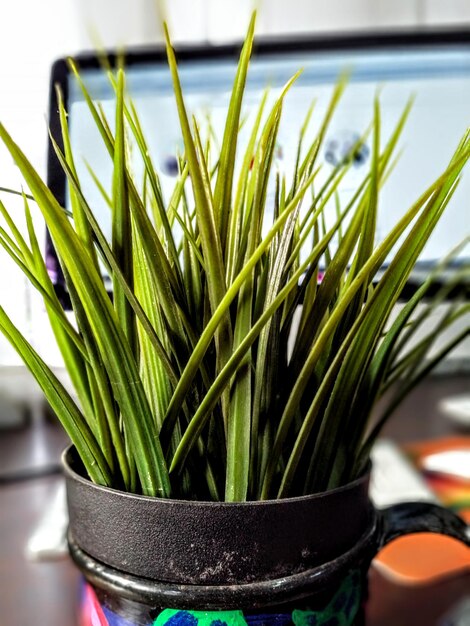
{"x":234,"y":360}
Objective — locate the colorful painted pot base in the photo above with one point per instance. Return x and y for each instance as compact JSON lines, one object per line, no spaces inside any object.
{"x":342,"y":610}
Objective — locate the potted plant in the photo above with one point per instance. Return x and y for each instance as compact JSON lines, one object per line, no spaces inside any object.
{"x":221,"y":438}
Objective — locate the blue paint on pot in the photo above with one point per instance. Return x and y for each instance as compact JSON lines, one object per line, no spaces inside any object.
{"x":116,"y":620}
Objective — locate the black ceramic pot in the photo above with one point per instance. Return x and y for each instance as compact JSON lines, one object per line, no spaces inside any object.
{"x":300,"y":561}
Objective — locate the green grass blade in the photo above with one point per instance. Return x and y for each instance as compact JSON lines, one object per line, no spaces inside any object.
{"x":154,"y":376}
{"x":61,"y":403}
{"x":94,"y":110}
{"x":237,"y":216}
{"x":121,"y":219}
{"x":72,"y":355}
{"x":210,"y":238}
{"x":80,"y":222}
{"x":224,"y":182}
{"x":104,"y":194}
{"x":239,"y":426}
{"x":268,"y":340}
{"x":239,"y":430}
{"x":162,"y":216}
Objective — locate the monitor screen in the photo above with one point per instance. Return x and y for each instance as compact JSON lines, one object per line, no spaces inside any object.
{"x":434,"y":70}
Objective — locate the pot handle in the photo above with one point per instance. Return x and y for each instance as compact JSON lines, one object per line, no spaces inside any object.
{"x":415,"y":517}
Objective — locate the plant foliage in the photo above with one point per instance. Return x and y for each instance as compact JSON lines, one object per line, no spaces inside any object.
{"x":228,"y":365}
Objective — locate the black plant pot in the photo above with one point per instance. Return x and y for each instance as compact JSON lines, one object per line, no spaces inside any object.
{"x":301,"y":561}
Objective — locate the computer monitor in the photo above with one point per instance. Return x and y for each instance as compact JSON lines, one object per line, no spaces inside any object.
{"x":432,"y":67}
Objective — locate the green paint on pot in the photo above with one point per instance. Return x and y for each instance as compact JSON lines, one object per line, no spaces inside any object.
{"x":175,"y":617}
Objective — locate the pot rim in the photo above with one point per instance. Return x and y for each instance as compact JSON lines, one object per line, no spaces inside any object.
{"x":247,"y":595}
{"x":201,"y":542}
{"x":70,"y":450}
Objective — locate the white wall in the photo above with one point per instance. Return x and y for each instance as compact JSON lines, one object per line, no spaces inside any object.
{"x":222,"y":20}
{"x":33,"y":33}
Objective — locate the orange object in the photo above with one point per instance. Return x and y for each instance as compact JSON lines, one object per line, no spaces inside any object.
{"x":423,"y":558}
